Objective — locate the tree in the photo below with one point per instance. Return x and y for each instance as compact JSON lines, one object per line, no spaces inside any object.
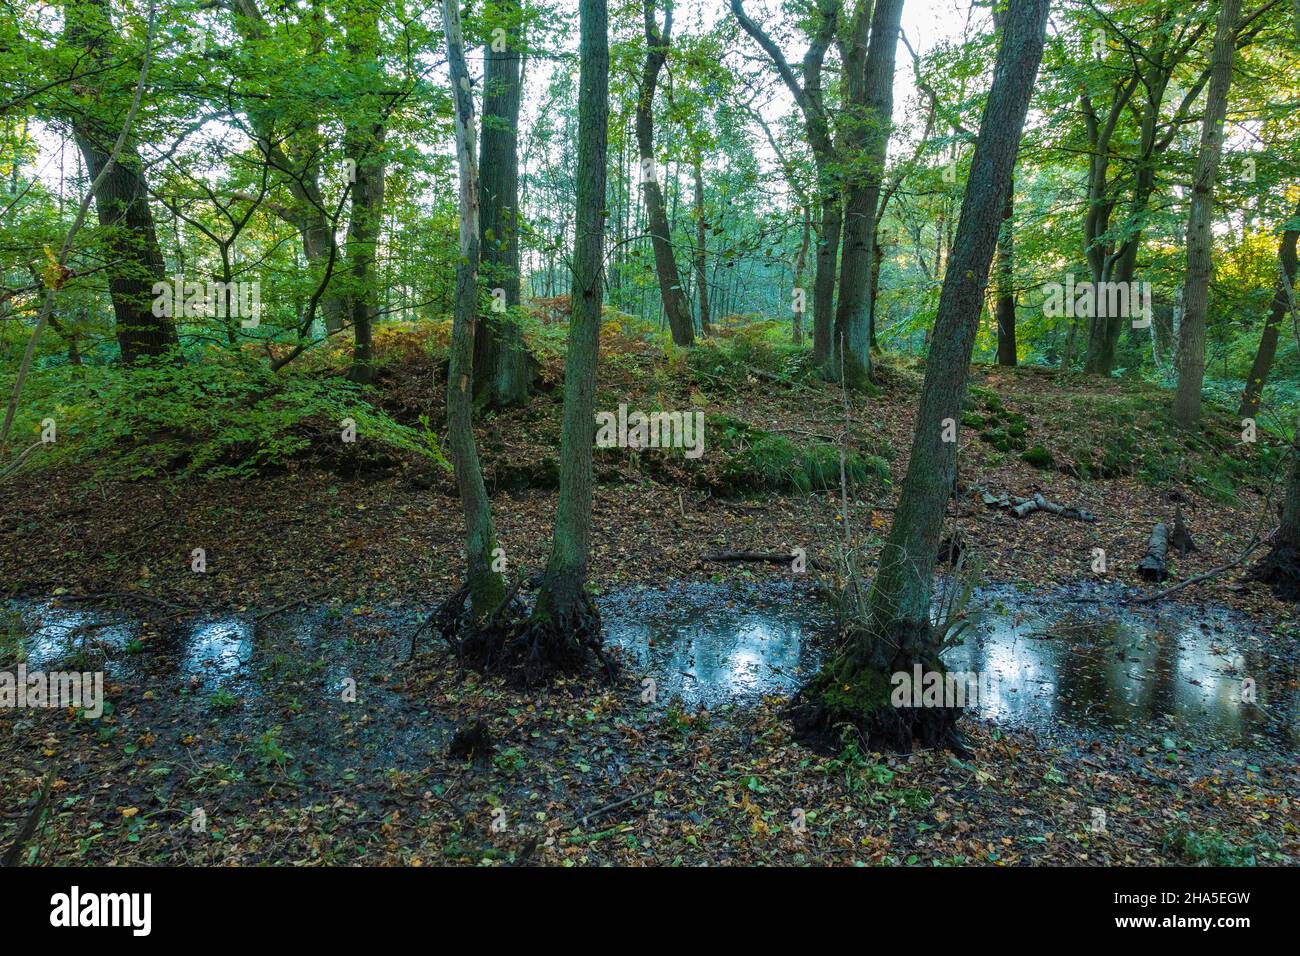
{"x":135,"y":261}
{"x":1191,"y":342}
{"x":1280,"y":567}
{"x":701,"y":249}
{"x":895,"y":632}
{"x":564,"y":627}
{"x":503,"y":368}
{"x":810,"y":98}
{"x":484,"y":589}
{"x":1005,"y":305}
{"x":293,"y":150}
{"x":1283,"y":297}
{"x":676,"y":308}
{"x":869,"y":89}
{"x":363,"y":144}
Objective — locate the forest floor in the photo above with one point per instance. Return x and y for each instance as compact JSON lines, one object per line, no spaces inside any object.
{"x":362,"y":548}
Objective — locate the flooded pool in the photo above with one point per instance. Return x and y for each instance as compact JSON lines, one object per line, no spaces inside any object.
{"x":1044,"y":660}
{"x":1198,"y":670}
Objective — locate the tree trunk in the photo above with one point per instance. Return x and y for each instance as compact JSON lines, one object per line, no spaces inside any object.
{"x":800,"y":264}
{"x":1280,"y":568}
{"x":676,"y":308}
{"x":1277,"y":312}
{"x":503,"y":369}
{"x":294,"y":155}
{"x":897,"y":632}
{"x":364,"y":145}
{"x":1191,"y":343}
{"x":1005,"y":307}
{"x":565,"y":623}
{"x":701,"y":250}
{"x":869,"y":81}
{"x":135,"y":261}
{"x":486,"y":588}
{"x":809,"y":96}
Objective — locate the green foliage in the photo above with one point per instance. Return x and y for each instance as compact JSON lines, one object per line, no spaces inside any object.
{"x":759,"y":460}
{"x":1207,"y":847}
{"x":1039,"y":457}
{"x":735,"y":358}
{"x":220,"y":415}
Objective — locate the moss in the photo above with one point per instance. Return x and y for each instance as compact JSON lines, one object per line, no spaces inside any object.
{"x":762,"y":461}
{"x":1039,"y":457}
{"x":848,"y":690}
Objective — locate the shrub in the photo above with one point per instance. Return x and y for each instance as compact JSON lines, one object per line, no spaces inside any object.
{"x":220,"y":415}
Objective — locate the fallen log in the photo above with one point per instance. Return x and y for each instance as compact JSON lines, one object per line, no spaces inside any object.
{"x":765,"y":557}
{"x":1154,"y":566}
{"x":1022,"y":507}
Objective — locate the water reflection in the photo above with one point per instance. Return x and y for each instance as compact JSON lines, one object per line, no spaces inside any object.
{"x":217,"y":648}
{"x":719,"y":658}
{"x":1126,"y":669}
{"x":1044,"y":662}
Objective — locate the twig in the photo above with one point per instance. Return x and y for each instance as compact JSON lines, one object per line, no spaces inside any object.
{"x":1213,"y":572}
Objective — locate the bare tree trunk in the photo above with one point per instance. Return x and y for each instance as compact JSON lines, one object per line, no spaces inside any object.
{"x":486,"y":588}
{"x":1005,"y":307}
{"x":1200,"y":241}
{"x":1281,"y":305}
{"x":676,"y":308}
{"x":701,"y":250}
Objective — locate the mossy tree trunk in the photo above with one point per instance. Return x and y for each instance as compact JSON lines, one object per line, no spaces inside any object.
{"x":897,"y":634}
{"x":486,"y":587}
{"x":134,"y":261}
{"x":869,"y":81}
{"x":1200,"y":240}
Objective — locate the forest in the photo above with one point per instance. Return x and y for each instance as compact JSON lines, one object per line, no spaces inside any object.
{"x":649,"y":433}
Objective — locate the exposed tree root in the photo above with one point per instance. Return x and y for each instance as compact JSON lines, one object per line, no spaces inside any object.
{"x":840,"y":696}
{"x":558,"y":638}
{"x":1280,"y":570}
